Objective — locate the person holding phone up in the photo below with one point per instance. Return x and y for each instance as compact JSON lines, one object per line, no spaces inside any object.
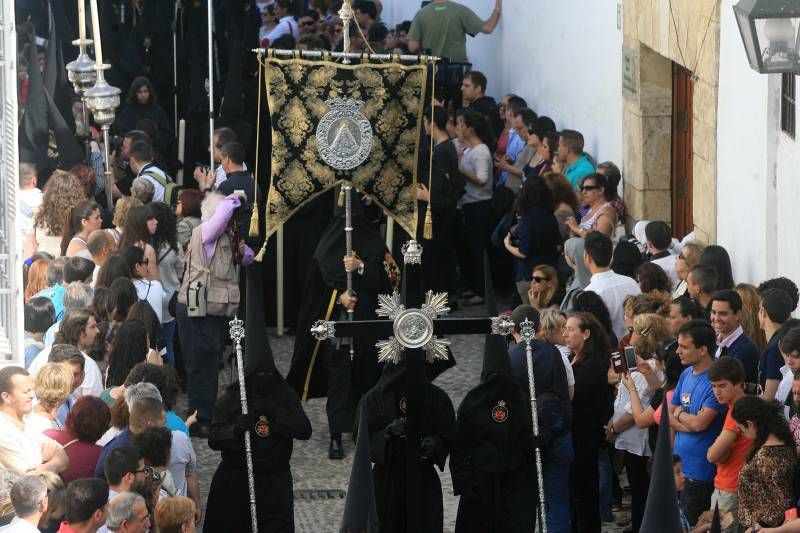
{"x":649,"y":331}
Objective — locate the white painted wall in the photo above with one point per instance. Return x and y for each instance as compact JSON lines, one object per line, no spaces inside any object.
{"x":564,"y":58}
{"x":757,"y":167}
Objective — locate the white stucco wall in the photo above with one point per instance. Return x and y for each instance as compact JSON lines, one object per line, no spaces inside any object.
{"x":564,"y":58}
{"x":757,"y":165}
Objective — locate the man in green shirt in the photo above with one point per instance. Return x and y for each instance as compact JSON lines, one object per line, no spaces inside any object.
{"x":442,"y":27}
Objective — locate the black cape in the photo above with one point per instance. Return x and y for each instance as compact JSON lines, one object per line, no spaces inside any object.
{"x":439,"y":253}
{"x":325,"y":281}
{"x":278,"y":420}
{"x":385,"y":403}
{"x":491,"y":462}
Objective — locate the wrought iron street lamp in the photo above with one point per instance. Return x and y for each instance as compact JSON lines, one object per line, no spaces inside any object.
{"x":770,"y":34}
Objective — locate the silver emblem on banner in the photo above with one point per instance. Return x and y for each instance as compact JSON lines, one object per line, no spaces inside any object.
{"x":344,"y":135}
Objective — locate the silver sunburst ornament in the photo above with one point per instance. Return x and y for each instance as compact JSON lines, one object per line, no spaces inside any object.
{"x":413,"y":328}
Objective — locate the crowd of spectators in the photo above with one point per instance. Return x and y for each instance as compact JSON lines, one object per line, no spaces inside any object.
{"x":88,"y":434}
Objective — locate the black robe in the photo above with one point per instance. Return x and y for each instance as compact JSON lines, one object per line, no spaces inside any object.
{"x":228,"y":506}
{"x":491,"y":465}
{"x":318,"y":369}
{"x":385,"y":403}
{"x":439,"y":254}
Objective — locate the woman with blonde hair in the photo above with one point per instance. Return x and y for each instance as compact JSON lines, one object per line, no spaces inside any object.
{"x":62,"y":192}
{"x":543,"y":287}
{"x":751,"y":302}
{"x":53,"y":384}
{"x":684,"y":263}
{"x":175,"y":515}
{"x":121,"y":209}
{"x":551,"y":329}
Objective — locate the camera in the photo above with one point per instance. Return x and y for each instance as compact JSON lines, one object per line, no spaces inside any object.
{"x":115,"y":143}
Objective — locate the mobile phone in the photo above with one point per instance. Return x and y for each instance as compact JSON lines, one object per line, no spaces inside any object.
{"x":618,"y":362}
{"x":630,"y":357}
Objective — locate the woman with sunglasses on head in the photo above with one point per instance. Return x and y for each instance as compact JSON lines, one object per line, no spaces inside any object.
{"x":601,"y":215}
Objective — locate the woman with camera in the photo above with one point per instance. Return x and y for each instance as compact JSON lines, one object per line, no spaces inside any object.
{"x":208,"y":295}
{"x":536,"y":239}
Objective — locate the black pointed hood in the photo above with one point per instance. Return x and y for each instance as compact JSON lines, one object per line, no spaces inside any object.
{"x":55,"y":73}
{"x":495,"y":415}
{"x":360,"y":512}
{"x":258,"y":352}
{"x":716,"y":526}
{"x":495,"y":352}
{"x":661,"y":514}
{"x":34,"y":130}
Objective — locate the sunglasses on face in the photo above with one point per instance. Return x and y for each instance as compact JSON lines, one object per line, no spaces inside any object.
{"x":585,"y":188}
{"x":537,"y":279}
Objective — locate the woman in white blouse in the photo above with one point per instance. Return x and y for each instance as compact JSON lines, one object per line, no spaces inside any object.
{"x":476,"y":165}
{"x":649,"y":331}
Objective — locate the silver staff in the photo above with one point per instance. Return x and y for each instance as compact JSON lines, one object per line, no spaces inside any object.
{"x":237,"y":334}
{"x":528,"y":332}
{"x":210,"y":36}
{"x":348,"y":246}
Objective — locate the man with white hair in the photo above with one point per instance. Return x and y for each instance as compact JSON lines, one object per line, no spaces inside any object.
{"x":77,"y":296}
{"x":29,"y":498}
{"x":127,"y":513}
{"x":143,"y":190}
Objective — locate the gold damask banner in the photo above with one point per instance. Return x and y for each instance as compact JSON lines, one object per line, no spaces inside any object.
{"x":389,"y":102}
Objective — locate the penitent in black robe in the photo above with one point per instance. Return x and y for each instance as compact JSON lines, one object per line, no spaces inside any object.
{"x":320,"y":368}
{"x":492,"y":462}
{"x":385,"y":403}
{"x":271,"y":439}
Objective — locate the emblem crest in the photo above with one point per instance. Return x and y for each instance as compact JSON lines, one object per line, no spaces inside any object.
{"x":500,"y":412}
{"x":403,"y":405}
{"x":344,"y":134}
{"x":262,"y":427}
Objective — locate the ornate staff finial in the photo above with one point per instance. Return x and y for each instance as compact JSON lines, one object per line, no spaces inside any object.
{"x":346,"y":15}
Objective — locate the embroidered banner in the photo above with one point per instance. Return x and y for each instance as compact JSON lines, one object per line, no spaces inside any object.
{"x":333,"y":123}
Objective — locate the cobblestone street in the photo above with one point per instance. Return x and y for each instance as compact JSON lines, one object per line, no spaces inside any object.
{"x":320,"y":483}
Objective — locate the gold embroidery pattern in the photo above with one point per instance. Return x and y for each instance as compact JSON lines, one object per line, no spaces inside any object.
{"x":297,"y":90}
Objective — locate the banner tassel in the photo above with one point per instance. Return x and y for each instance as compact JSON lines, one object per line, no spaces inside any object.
{"x":260,"y":254}
{"x":340,"y":201}
{"x":427,"y":233}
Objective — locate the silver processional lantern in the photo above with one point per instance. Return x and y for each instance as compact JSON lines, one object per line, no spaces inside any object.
{"x":103,"y":101}
{"x":770,"y":33}
{"x":82,"y":74}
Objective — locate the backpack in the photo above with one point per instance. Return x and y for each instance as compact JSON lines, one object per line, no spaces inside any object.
{"x":171,"y":189}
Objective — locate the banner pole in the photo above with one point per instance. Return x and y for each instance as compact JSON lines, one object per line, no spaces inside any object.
{"x":279,"y":322}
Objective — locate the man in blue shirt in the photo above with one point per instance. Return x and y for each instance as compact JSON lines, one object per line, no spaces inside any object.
{"x":516,"y":141}
{"x":696,"y":416}
{"x":578,"y":164}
